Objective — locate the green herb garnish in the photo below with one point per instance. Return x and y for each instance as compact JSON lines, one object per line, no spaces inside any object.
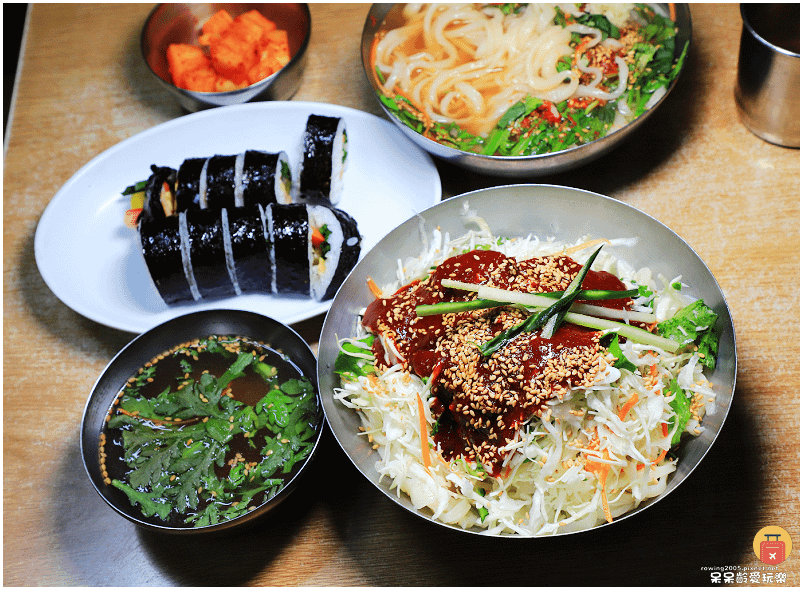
{"x":177,"y":444}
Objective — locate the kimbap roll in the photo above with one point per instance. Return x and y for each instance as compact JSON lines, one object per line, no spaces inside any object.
{"x":187,"y":184}
{"x":159,"y":193}
{"x":265,"y":178}
{"x":250,"y":249}
{"x":160,"y":242}
{"x":220,"y":182}
{"x":204,"y":235}
{"x":324,"y":159}
{"x":335,"y":246}
{"x":289,"y":233}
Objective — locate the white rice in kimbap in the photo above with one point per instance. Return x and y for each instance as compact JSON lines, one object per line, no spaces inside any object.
{"x":332,"y":261}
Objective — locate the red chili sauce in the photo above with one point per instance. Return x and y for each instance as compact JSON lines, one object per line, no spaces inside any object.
{"x":481,"y":402}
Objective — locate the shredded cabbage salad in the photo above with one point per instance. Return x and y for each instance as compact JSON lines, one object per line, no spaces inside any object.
{"x":598,"y":452}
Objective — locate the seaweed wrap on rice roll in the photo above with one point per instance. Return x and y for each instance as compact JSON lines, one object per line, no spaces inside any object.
{"x":324,"y":158}
{"x":220,"y":182}
{"x":187,"y":184}
{"x":250,"y":249}
{"x":205,"y":233}
{"x":160,"y":243}
{"x":289,"y":233}
{"x":265,"y":178}
{"x":335,"y":249}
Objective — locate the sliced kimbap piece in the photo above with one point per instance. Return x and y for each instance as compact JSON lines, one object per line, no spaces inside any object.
{"x":159,"y":193}
{"x":187,"y":184}
{"x":250,"y":249}
{"x":209,"y":261}
{"x":266,"y":178}
{"x":220,"y":182}
{"x":160,"y":241}
{"x":324,"y":159}
{"x":289,"y":233}
{"x":335,"y":249}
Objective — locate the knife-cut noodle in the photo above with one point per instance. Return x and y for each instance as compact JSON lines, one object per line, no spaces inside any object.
{"x":468,"y":64}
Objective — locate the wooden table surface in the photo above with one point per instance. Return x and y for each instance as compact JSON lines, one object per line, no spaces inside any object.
{"x":83,"y":88}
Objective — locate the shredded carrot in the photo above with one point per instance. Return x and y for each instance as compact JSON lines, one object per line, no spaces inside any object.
{"x":664,"y":428}
{"x":660,"y":457}
{"x":658,"y":460}
{"x":423,"y":434}
{"x":672,"y":11}
{"x":601,"y":470}
{"x":374,"y":289}
{"x":317,"y":239}
{"x":653,"y":371}
{"x":628,"y":405}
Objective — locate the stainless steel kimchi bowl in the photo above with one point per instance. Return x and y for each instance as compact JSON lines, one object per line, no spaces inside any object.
{"x":516,"y":167}
{"x":544,"y":211}
{"x":288,"y":353}
{"x":181,"y":23}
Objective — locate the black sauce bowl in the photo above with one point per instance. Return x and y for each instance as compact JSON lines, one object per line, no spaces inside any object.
{"x":159,"y":339}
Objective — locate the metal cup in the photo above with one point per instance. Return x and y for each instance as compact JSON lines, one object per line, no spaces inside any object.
{"x":768,"y":84}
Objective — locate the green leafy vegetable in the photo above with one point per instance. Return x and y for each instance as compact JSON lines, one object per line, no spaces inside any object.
{"x":695,"y":323}
{"x":622,"y":362}
{"x":177,"y":444}
{"x":135,"y":188}
{"x":600,"y":21}
{"x":351,"y":366}
{"x":681,"y":405}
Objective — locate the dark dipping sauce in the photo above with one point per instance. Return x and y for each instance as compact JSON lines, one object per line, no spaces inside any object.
{"x":479,"y":402}
{"x":260,"y":427}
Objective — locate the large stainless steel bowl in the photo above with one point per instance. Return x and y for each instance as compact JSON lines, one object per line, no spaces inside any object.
{"x":546,"y":211}
{"x":518,"y":167}
{"x":179,"y":23}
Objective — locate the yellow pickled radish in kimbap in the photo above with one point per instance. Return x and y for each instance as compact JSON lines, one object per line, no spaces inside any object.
{"x":323,"y":159}
{"x":159,"y":193}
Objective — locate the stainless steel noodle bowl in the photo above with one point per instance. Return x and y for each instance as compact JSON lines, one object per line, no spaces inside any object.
{"x":476,"y":417}
{"x":519,"y":90}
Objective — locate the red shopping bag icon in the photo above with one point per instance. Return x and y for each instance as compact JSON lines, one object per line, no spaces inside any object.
{"x":772,"y":552}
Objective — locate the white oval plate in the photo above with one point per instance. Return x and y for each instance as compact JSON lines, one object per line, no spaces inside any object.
{"x":90,"y":260}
